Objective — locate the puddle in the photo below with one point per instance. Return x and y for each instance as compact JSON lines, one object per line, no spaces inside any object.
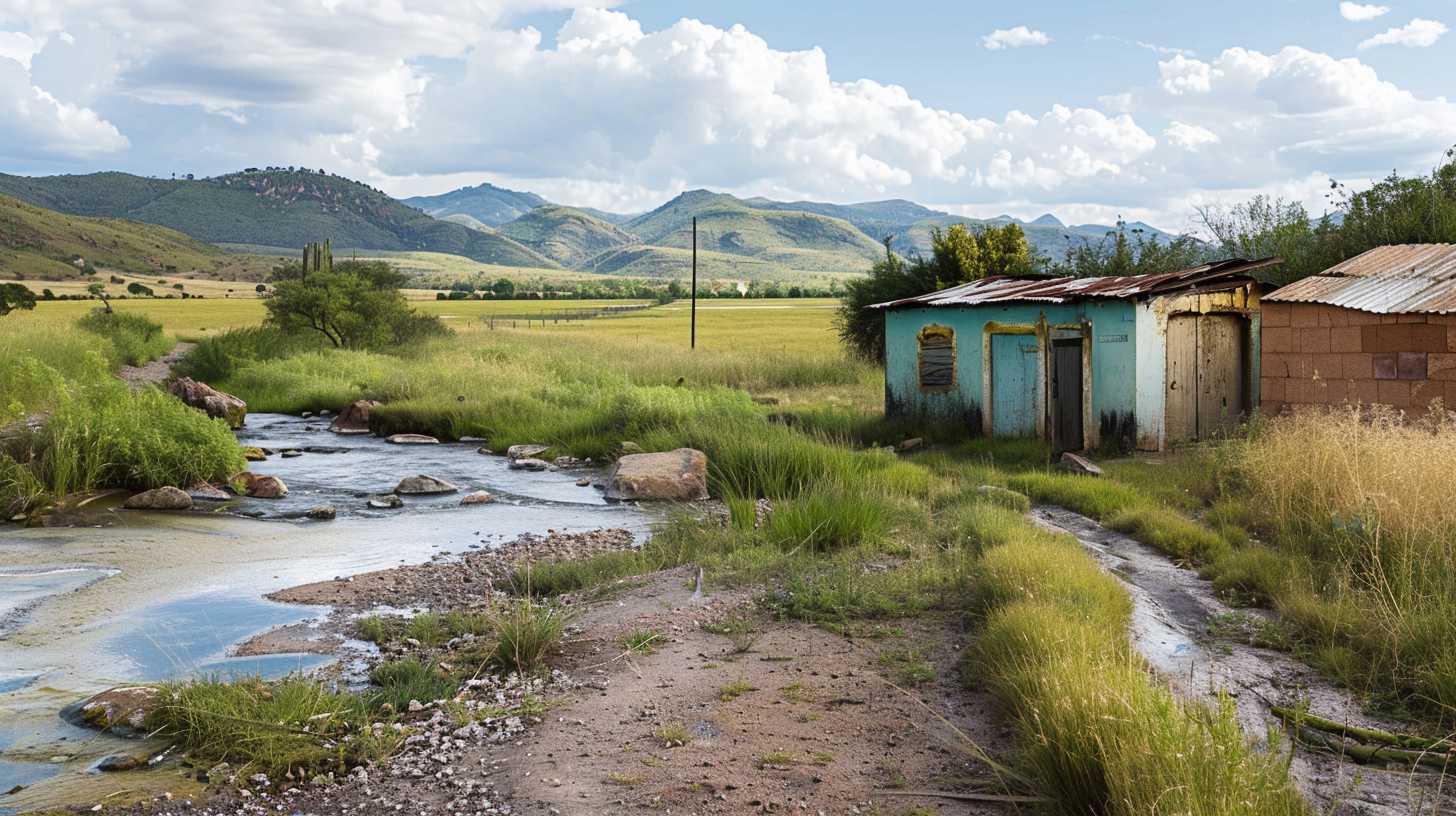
{"x":1172,"y":608}
{"x":137,"y":596}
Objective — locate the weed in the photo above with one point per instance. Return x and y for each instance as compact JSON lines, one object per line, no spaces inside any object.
{"x":908,"y":666}
{"x":398,"y":682}
{"x":673,"y":735}
{"x":526,"y":631}
{"x":797,"y":693}
{"x":741,"y":631}
{"x":624,"y":780}
{"x":734,"y":690}
{"x":642,"y":641}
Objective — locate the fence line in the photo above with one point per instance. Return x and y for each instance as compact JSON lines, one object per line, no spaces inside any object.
{"x":560,"y":315}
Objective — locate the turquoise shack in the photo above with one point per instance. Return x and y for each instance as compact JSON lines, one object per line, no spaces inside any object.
{"x":1136,"y":362}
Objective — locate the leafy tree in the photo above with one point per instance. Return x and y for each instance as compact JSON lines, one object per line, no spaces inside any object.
{"x":15,"y":296}
{"x":960,"y":255}
{"x":504,"y":288}
{"x":261,"y":288}
{"x":1117,"y":254}
{"x":356,"y":304}
{"x":138,"y":289}
{"x":98,"y":290}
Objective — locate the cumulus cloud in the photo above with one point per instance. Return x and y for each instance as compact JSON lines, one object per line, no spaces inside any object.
{"x":1360,"y":12}
{"x":40,"y":127}
{"x":1189,"y":137}
{"x":1018,"y":37}
{"x":1418,"y":33}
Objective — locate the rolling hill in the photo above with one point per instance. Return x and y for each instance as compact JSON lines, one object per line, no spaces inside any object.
{"x":275,"y":207}
{"x":565,"y":235}
{"x":42,"y":244}
{"x":486,"y":203}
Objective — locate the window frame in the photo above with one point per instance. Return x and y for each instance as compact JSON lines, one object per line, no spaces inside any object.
{"x":947,"y":336}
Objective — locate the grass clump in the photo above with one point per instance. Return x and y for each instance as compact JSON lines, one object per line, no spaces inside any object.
{"x":294,"y":725}
{"x":734,"y":690}
{"x":133,"y":338}
{"x":908,"y":667}
{"x":526,"y":632}
{"x":673,"y":735}
{"x":642,"y":641}
{"x":741,"y":631}
{"x":400,"y":681}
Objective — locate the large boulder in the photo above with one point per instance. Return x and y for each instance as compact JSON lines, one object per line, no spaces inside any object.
{"x":261,"y":487}
{"x":163,"y":498}
{"x":423,"y":485}
{"x":478,"y":497}
{"x":121,"y":710}
{"x":679,"y":475}
{"x":210,"y":400}
{"x":354,"y":419}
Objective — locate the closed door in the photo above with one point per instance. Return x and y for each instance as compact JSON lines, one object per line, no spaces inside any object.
{"x":1013,"y":384}
{"x":1067,"y":394}
{"x":1205,"y":376}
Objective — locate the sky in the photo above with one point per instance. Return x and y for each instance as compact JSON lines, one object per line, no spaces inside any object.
{"x":1092,"y":111}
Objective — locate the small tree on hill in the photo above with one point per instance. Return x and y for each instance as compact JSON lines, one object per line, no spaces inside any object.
{"x":98,"y":291}
{"x":15,"y":296}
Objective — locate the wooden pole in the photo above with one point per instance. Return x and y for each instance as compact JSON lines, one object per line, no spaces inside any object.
{"x":693,"y":339}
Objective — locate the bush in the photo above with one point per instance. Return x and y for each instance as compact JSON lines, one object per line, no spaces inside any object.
{"x":134,"y":338}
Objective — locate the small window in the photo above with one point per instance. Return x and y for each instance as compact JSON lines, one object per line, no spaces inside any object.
{"x":937,"y":358}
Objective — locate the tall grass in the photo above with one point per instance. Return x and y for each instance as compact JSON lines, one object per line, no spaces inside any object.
{"x":134,"y":338}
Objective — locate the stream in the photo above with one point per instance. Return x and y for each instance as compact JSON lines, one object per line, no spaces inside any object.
{"x":128,"y":596}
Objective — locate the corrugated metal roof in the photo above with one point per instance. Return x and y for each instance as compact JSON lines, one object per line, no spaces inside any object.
{"x":1225,"y":274}
{"x":1395,"y":279}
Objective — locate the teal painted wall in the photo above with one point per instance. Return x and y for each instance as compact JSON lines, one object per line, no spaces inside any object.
{"x":1114,"y":357}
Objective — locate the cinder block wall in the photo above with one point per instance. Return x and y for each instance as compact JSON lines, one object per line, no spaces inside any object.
{"x":1313,"y":354}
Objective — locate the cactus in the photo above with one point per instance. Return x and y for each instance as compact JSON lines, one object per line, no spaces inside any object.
{"x":317,"y":258}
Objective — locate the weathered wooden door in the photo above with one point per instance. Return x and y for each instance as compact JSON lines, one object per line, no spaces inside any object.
{"x":1220,"y":374}
{"x":1013,"y":384}
{"x":1205,"y":378}
{"x":1067,"y":395}
{"x":1180,"y":408}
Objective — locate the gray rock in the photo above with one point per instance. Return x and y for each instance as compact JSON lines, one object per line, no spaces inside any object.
{"x":324,"y":512}
{"x":423,"y":485}
{"x":411,"y":439}
{"x":530,"y":464}
{"x":292,"y":454}
{"x":163,"y":498}
{"x":120,"y":762}
{"x":526,"y":451}
{"x":478,"y":497}
{"x":202,"y":491}
{"x":261,"y":487}
{"x":1078,"y":464}
{"x":910,"y":444}
{"x":354,"y":419}
{"x":121,"y":710}
{"x":679,"y":475}
{"x":389,"y":501}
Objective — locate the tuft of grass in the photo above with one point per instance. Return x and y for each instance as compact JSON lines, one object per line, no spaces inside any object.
{"x":642,"y":641}
{"x":397,"y":682}
{"x":908,"y":667}
{"x":673,"y":735}
{"x":734,"y":690}
{"x":526,"y":632}
{"x":741,"y":631}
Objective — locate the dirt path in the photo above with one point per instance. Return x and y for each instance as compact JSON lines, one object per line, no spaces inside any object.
{"x":156,"y":371}
{"x":1177,"y":623}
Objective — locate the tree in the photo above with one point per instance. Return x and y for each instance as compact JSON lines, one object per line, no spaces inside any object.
{"x":354,"y":304}
{"x":138,"y":289}
{"x":98,"y":290}
{"x":15,"y":296}
{"x":504,"y":288}
{"x":1117,"y":254}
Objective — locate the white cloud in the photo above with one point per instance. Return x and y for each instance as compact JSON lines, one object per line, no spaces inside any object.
{"x":1360,"y":12}
{"x":40,"y":127}
{"x":1189,"y":137}
{"x":1018,"y":37}
{"x":1418,"y":33}
{"x":19,"y":46}
{"x":1182,"y":75}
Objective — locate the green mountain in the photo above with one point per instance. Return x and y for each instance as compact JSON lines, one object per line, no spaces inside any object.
{"x":1046,"y":234}
{"x":274,"y":207}
{"x":42,"y":244}
{"x":730,"y":226}
{"x":874,"y":218}
{"x":565,"y":235}
{"x":486,"y":203}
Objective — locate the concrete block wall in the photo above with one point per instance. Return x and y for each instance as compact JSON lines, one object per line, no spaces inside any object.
{"x":1313,"y":354}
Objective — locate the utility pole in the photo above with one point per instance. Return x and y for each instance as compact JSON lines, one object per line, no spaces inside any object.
{"x":693,"y":339}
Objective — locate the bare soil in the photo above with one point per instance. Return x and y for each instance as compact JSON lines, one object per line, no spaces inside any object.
{"x":158,"y":370}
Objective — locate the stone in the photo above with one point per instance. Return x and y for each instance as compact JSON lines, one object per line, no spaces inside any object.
{"x":122,"y":710}
{"x":567,"y":462}
{"x":910,"y":444}
{"x":120,"y":762}
{"x":423,"y":485}
{"x":1078,"y":464}
{"x":325,"y":413}
{"x":292,"y":453}
{"x":411,"y":439}
{"x":478,"y":497}
{"x":583,"y":482}
{"x":261,"y":487}
{"x":526,"y":451}
{"x":324,"y":512}
{"x":679,"y":475}
{"x":306,"y":415}
{"x":202,"y":491}
{"x":529,"y":464}
{"x":163,"y":498}
{"x":388,"y":501}
{"x":354,"y":419}
{"x":211,"y":401}
{"x":628,"y":448}
{"x":253,"y":454}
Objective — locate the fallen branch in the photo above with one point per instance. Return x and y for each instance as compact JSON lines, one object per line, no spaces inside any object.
{"x":1360,"y":733}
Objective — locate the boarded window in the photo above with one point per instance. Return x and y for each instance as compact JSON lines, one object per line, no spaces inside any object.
{"x":937,"y":358}
{"x":1404,"y":365}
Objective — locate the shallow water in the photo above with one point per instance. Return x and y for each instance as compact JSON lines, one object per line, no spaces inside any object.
{"x":149,"y":596}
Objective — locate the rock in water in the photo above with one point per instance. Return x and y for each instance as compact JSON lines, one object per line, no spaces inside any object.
{"x":354,"y":419}
{"x":388,"y":501}
{"x":424,"y":485}
{"x":526,"y":451}
{"x":120,"y":762}
{"x":529,"y":464}
{"x":163,"y":498}
{"x":253,"y":454}
{"x":202,"y":491}
{"x":261,"y":487}
{"x":121,"y":710}
{"x":680,"y":475}
{"x":1078,"y":464}
{"x":478,"y":497}
{"x":411,"y":439}
{"x":324,"y":512}
{"x":210,"y":400}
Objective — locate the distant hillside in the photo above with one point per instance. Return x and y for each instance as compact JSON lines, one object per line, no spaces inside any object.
{"x":276,"y":207}
{"x":1046,"y":234}
{"x":640,"y":260}
{"x":565,"y":235}
{"x":728,"y":225}
{"x":486,"y":203}
{"x":875,"y":218}
{"x":42,"y":244}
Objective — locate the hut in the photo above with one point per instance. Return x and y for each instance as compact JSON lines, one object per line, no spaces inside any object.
{"x":1379,"y":328}
{"x":1127,"y":362}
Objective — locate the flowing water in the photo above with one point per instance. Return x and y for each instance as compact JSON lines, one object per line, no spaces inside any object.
{"x":132,"y":596}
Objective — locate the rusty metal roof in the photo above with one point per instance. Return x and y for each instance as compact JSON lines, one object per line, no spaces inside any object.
{"x":1395,"y":279}
{"x":1226,"y":274}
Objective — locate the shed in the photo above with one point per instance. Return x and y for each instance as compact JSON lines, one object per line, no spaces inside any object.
{"x":1379,"y":328}
{"x":1138,"y":361}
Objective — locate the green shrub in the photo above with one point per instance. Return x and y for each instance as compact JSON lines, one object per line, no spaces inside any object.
{"x":397,"y":682}
{"x":134,"y":339}
{"x":214,"y":359}
{"x":526,"y":631}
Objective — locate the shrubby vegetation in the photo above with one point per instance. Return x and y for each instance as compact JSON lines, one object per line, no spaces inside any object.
{"x":353,"y":304}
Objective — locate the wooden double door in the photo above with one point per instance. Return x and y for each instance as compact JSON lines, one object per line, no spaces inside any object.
{"x":1207,"y":377}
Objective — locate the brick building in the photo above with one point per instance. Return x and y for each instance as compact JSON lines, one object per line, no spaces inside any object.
{"x":1379,"y":328}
